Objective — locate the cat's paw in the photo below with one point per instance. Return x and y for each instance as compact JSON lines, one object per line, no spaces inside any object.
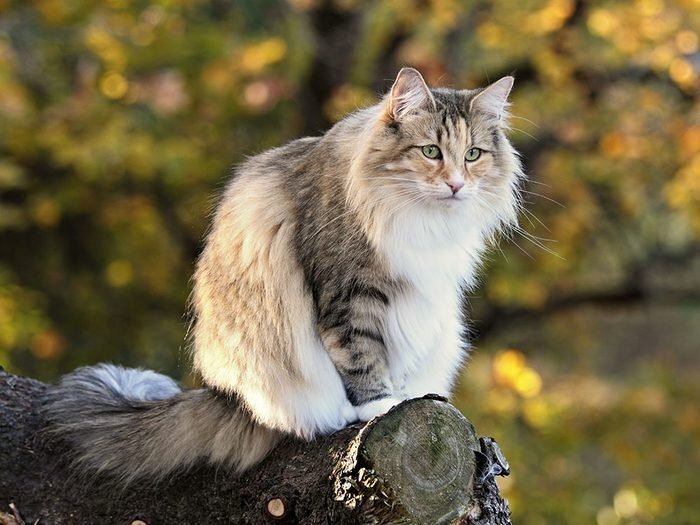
{"x":349,"y":413}
{"x":375,"y":408}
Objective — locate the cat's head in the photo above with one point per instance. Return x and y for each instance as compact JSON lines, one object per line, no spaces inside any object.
{"x":444,"y":149}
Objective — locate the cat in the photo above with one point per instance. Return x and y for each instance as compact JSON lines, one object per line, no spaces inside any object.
{"x":330,"y":288}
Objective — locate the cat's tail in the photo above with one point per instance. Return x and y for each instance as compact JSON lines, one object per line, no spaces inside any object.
{"x":134,"y":423}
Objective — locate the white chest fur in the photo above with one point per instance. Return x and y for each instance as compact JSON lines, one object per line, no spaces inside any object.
{"x":424,"y":322}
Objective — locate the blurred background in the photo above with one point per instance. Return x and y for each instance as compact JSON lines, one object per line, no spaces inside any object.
{"x":120,"y":120}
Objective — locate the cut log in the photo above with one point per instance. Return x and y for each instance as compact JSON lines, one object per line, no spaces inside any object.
{"x":421,"y":463}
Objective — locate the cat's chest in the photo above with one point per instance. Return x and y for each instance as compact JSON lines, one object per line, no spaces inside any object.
{"x":425,"y":319}
{"x":423,"y":324}
{"x":416,"y":322}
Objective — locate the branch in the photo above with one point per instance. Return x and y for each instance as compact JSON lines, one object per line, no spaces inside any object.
{"x":636,"y":288}
{"x":420,"y":463}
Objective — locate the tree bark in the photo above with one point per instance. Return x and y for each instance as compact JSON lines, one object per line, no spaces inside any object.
{"x":421,"y":463}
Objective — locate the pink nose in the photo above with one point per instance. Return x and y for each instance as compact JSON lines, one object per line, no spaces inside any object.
{"x":455,"y":185}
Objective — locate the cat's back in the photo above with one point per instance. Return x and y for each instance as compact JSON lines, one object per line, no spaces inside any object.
{"x":305,"y":163}
{"x":273,"y":167}
{"x":262,"y":188}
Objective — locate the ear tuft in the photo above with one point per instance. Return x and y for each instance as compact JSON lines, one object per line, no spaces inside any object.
{"x":409,"y":93}
{"x":493,"y":100}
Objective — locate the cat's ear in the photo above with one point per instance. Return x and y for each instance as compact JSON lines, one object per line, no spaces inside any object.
{"x":493,"y":100}
{"x":408,"y":94}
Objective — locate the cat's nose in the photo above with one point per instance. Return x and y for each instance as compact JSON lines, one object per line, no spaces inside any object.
{"x":455,"y":185}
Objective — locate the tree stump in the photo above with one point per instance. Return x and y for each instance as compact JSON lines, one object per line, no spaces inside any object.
{"x":421,"y":463}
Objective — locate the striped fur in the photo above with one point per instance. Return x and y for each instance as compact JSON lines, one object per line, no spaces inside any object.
{"x":151,"y":430}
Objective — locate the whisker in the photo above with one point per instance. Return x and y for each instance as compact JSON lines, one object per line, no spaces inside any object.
{"x":545,"y":239}
{"x":541,"y":246}
{"x":544,"y":197}
{"x":530,"y":214}
{"x":528,"y":219}
{"x":525,"y":133}
{"x":519,"y":247}
{"x":416,"y":199}
{"x":538,"y":182}
{"x":401,"y":179}
{"x":525,"y":119}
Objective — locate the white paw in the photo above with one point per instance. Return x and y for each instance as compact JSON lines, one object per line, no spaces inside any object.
{"x":349,"y":413}
{"x":376,"y":408}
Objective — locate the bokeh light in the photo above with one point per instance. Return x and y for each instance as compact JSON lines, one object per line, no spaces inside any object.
{"x":120,"y":121}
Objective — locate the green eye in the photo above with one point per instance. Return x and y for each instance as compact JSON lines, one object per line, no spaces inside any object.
{"x":472,"y":154}
{"x":432,"y":151}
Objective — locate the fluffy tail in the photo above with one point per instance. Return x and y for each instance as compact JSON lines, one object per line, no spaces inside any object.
{"x":139,"y":424}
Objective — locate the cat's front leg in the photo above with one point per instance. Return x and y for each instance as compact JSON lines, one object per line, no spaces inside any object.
{"x":378,"y":407}
{"x":360,"y":357}
{"x":437,"y":374}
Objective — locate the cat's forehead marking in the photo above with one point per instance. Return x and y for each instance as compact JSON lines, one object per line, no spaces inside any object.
{"x":453,"y":121}
{"x":455,"y":103}
{"x":456,"y":126}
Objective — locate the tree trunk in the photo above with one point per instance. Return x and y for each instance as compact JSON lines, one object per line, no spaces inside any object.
{"x":421,"y":463}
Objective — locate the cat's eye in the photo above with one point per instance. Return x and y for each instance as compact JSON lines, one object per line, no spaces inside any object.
{"x":432,"y":151}
{"x":472,"y":154}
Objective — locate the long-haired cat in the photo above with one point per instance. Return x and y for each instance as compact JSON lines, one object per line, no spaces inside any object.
{"x":330,"y":288}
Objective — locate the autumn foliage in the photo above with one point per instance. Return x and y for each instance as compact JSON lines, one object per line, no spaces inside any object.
{"x":120,"y":120}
